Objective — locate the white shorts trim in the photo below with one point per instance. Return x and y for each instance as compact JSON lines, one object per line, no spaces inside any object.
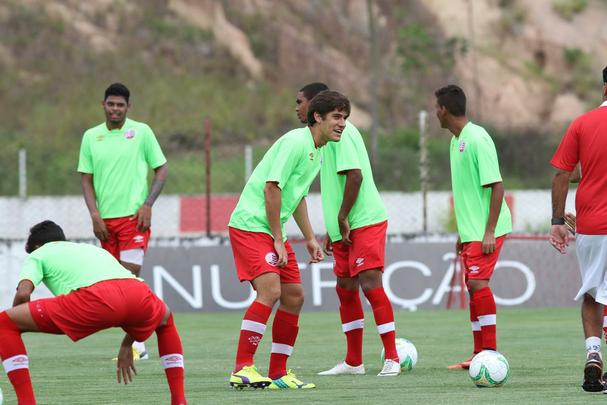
{"x":357,"y":324}
{"x":134,"y":256}
{"x":385,"y":328}
{"x":15,"y":363}
{"x":172,"y":360}
{"x":282,"y":348}
{"x":253,"y":326}
{"x":487,"y":320}
{"x":592,"y":258}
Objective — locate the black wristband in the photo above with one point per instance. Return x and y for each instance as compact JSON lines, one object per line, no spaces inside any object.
{"x":557,"y":221}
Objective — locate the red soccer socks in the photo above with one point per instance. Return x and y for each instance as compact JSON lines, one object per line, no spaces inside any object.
{"x":352,"y":323}
{"x":251,"y":331}
{"x":484,"y":305}
{"x":384,"y":318}
{"x":15,"y":360}
{"x":170,"y":351}
{"x":284,"y":334}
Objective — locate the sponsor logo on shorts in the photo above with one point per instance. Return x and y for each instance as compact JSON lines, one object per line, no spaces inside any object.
{"x":360,"y":261}
{"x":129,"y":134}
{"x":254,"y":340}
{"x":474,"y":269}
{"x":138,"y":239}
{"x":272,"y":259}
{"x":462,"y":146}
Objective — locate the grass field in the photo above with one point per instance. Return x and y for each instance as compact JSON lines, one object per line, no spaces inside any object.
{"x":545,"y":349}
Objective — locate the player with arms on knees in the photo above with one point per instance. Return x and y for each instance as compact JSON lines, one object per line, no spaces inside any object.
{"x":356,"y":222}
{"x":275,"y":192}
{"x":584,"y":144}
{"x":115,"y":158}
{"x":482,"y":216}
{"x":92,"y":292}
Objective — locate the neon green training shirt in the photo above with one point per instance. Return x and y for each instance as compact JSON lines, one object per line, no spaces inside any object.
{"x":349,"y":153}
{"x":67,"y":266}
{"x":119,"y":161}
{"x":474,"y":165}
{"x":293,"y":161}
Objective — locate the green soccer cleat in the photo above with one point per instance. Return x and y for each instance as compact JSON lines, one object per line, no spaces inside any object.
{"x":249,"y":377}
{"x":290,"y":381}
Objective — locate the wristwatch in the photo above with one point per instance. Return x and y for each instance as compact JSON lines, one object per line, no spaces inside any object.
{"x":557,"y":221}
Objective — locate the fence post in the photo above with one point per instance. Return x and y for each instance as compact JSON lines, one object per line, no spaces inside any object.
{"x":207,"y":152}
{"x":423,"y":168}
{"x":22,"y":173}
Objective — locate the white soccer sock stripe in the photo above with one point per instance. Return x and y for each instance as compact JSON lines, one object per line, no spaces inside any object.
{"x":386,"y":327}
{"x":282,"y":348}
{"x":487,"y":320}
{"x":253,"y":326}
{"x":172,"y":360}
{"x":357,"y":324}
{"x":16,"y":362}
{"x":476,"y":326}
{"x":604,"y":321}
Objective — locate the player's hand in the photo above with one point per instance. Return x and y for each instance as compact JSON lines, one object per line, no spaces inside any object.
{"x":459,"y":246}
{"x":570,"y":222}
{"x":281,"y":251}
{"x":559,"y":238}
{"x":99,"y":228}
{"x":143,"y":217}
{"x":328,"y":246}
{"x":488,"y":245}
{"x":344,"y":230}
{"x":315,"y":251}
{"x":125,"y":365}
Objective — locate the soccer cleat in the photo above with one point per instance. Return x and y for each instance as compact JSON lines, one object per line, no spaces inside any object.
{"x":249,"y":377}
{"x":140,"y":356}
{"x":464,"y":365}
{"x":344,"y":368}
{"x":290,"y":381}
{"x":593,"y":371}
{"x":391,"y":368}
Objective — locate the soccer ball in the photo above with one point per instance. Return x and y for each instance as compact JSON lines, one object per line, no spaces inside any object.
{"x":407,"y":354}
{"x":489,"y":369}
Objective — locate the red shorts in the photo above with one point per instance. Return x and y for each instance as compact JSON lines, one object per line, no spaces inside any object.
{"x":366,"y":252}
{"x":125,"y":303}
{"x":478,"y":265}
{"x":254,"y":255}
{"x":123,"y":235}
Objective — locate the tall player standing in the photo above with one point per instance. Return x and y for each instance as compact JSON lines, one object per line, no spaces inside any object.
{"x":115,"y":157}
{"x":356,"y":222}
{"x":276,"y":191}
{"x":482,"y":216}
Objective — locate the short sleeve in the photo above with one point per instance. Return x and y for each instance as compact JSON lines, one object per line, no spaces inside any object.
{"x":85,"y":162}
{"x":153,"y":153}
{"x":32,"y":270}
{"x":286,"y":157}
{"x":567,"y":154}
{"x":346,"y":155}
{"x":488,"y":166}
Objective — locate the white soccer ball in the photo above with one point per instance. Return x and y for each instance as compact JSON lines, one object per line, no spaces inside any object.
{"x":489,"y":369}
{"x":407,"y":354}
{"x":1,"y":397}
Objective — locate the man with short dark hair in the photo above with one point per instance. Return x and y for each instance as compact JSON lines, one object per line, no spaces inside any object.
{"x":115,"y":158}
{"x":482,"y":216}
{"x":585,"y":142}
{"x":356,"y":222}
{"x":92,"y":292}
{"x":276,"y":191}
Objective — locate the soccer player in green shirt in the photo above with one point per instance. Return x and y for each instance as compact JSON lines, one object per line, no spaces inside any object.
{"x":356,"y":222}
{"x":482,"y":216}
{"x":276,"y":191}
{"x":92,"y":292}
{"x":115,"y":157}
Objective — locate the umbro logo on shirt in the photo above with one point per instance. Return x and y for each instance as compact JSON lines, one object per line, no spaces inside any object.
{"x":311,"y":155}
{"x":462,"y":146}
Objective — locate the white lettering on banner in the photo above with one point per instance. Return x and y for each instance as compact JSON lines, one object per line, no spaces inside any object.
{"x":529,"y":276}
{"x":445,"y":284}
{"x":218,"y":298}
{"x":404,"y":303}
{"x":195,"y":300}
{"x":317,"y":283}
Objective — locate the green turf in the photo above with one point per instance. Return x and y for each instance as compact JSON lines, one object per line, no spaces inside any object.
{"x":544,"y":348}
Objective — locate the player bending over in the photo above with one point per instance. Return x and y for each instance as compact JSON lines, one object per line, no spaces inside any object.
{"x":92,"y":292}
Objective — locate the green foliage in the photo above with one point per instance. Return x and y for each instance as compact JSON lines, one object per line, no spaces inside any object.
{"x":584,"y":80}
{"x":568,"y":9}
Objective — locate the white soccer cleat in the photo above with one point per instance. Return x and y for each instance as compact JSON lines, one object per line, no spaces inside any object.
{"x":344,"y":368}
{"x":391,"y":368}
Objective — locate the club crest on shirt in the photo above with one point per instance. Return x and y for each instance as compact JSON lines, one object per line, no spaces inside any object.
{"x":100,"y":138}
{"x":272,"y":259}
{"x":129,"y":134}
{"x":462,"y":146}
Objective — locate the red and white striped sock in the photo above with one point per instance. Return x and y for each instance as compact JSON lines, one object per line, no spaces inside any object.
{"x":15,"y":360}
{"x":476,"y":328}
{"x":251,"y":332}
{"x":284,"y":334}
{"x":384,"y":318}
{"x":484,"y":304}
{"x":352,"y":323}
{"x":170,"y":351}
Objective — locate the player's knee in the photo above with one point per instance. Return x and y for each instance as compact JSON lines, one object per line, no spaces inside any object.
{"x":269,"y":295}
{"x":370,"y":280}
